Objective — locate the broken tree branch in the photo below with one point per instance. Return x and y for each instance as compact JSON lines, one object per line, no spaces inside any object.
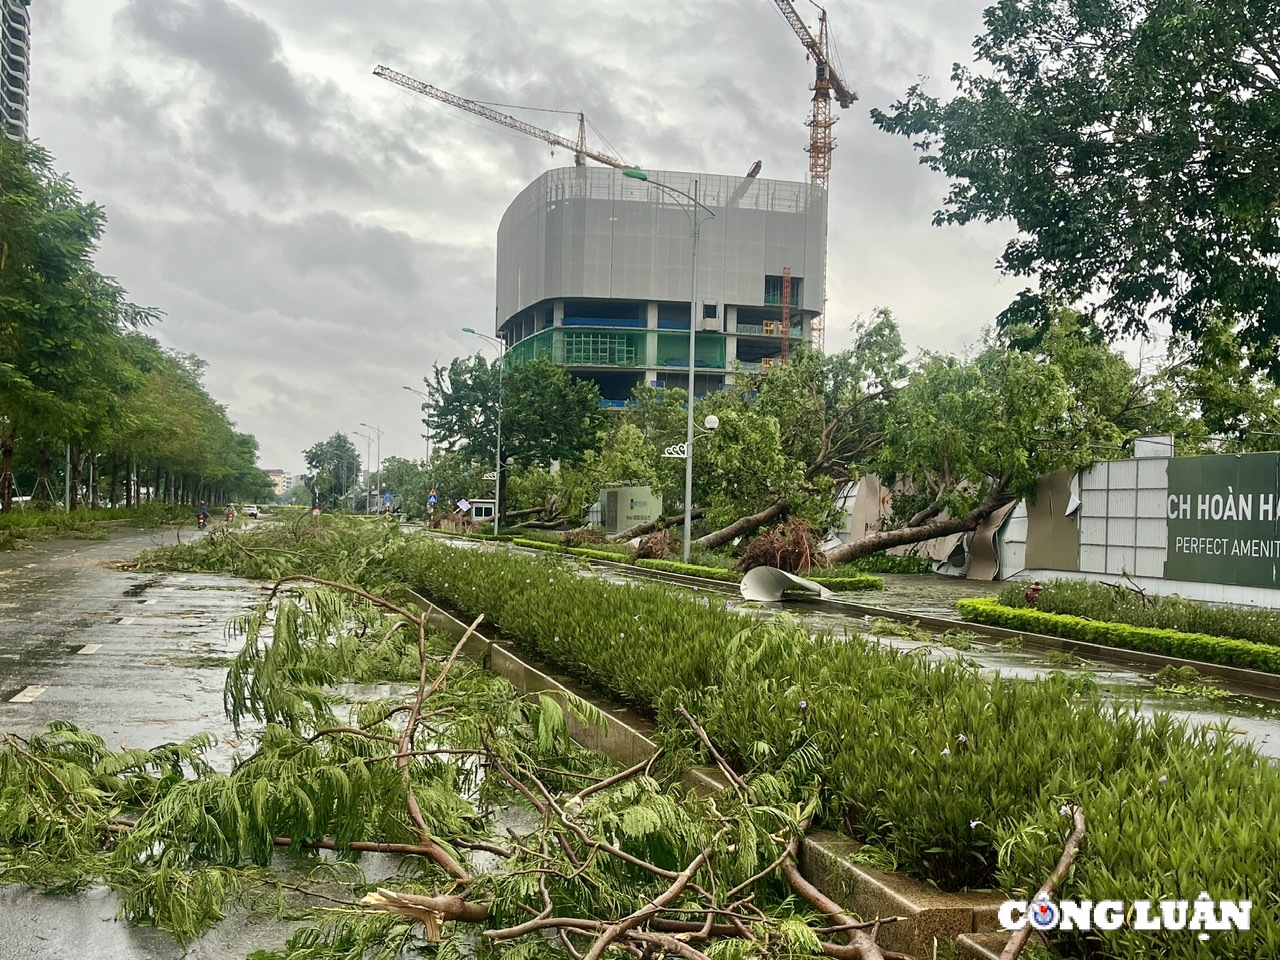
{"x":1013,"y":949}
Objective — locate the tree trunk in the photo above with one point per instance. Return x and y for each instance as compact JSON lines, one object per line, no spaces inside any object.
{"x":743,"y":525}
{"x":640,"y":529}
{"x":42,"y":477}
{"x":78,"y":459}
{"x":902,"y":536}
{"x":8,"y":439}
{"x":113,"y":480}
{"x":73,"y":460}
{"x":93,"y":481}
{"x":155,"y":487}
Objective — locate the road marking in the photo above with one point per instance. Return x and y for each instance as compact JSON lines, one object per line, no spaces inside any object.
{"x":29,"y":694}
{"x":90,"y":648}
{"x":127,"y":619}
{"x":170,"y":589}
{"x":182,"y":579}
{"x":147,"y":602}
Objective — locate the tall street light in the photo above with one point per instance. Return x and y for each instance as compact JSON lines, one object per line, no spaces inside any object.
{"x":694,"y":210}
{"x":378,"y":431}
{"x":368,"y":457}
{"x":426,"y":406}
{"x":497,"y":454}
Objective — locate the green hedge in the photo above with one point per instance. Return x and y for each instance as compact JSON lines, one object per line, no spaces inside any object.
{"x":691,"y":570}
{"x":955,"y":776}
{"x":864,"y":581}
{"x":538,"y":544}
{"x":887,"y":563}
{"x":1190,"y":646}
{"x":1119,"y":604}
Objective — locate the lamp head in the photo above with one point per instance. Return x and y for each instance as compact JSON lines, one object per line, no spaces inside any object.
{"x":635,"y":174}
{"x":712,"y":422}
{"x":468,"y":330}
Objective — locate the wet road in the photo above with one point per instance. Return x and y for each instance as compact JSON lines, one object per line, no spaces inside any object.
{"x":138,"y":659}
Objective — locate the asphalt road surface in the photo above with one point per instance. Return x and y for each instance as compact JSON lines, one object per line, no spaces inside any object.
{"x":138,"y":659}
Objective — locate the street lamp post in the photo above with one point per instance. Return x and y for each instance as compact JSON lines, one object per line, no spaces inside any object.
{"x":368,"y":456}
{"x":378,"y":431}
{"x":694,"y":211}
{"x":426,"y":406}
{"x":497,"y":454}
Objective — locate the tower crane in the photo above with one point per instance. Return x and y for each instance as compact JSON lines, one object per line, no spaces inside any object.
{"x":579,"y":147}
{"x":827,"y":82}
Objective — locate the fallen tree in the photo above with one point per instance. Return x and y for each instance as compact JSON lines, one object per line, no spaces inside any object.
{"x":653,"y":526}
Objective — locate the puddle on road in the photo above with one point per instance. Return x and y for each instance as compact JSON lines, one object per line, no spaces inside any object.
{"x":138,"y":589}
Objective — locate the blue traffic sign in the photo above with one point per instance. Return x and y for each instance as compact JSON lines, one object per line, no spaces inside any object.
{"x":432,"y":499}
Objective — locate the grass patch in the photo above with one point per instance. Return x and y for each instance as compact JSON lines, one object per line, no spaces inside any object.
{"x":84,"y":524}
{"x":1174,"y":643}
{"x":1121,"y":604}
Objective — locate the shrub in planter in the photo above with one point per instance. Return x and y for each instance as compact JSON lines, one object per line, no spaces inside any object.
{"x":690,"y":570}
{"x":1191,"y":646}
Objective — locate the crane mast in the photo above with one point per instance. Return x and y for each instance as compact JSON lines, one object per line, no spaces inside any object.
{"x":826,"y":84}
{"x":579,"y":148}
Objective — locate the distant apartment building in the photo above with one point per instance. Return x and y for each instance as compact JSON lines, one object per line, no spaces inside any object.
{"x":15,"y":63}
{"x":283,"y":482}
{"x":594,"y":273}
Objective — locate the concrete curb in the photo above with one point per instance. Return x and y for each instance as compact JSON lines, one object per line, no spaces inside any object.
{"x":929,"y":914}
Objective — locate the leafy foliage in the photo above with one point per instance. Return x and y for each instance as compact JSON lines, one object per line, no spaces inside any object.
{"x":1134,"y":145}
{"x":334,"y":466}
{"x":546,"y":413}
{"x":952,"y":775}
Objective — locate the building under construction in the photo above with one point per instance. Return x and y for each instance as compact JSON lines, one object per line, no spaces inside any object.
{"x":595,"y":266}
{"x":594,"y":273}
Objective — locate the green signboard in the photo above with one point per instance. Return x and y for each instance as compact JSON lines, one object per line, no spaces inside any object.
{"x":1224,"y":519}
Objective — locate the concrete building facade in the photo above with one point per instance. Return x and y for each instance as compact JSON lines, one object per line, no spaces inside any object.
{"x":15,"y":64}
{"x":594,"y":272}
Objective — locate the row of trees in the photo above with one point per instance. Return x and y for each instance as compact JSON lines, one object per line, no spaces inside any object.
{"x":78,"y":378}
{"x":954,"y":437}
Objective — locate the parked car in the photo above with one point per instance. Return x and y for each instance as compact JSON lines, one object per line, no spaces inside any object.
{"x":251,"y":511}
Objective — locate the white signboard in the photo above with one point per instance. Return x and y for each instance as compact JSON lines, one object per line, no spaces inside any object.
{"x":464,"y":505}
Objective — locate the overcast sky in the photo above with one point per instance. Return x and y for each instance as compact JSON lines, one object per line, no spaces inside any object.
{"x":321,"y":236}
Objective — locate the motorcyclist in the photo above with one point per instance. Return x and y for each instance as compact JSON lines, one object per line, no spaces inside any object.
{"x":231,"y":511}
{"x":202,"y":514}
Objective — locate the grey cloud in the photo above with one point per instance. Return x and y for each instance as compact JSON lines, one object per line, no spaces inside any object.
{"x":239,"y":51}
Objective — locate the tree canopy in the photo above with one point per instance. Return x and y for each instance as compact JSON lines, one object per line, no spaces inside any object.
{"x":1135,"y":145}
{"x":547,"y":414}
{"x":76,"y":371}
